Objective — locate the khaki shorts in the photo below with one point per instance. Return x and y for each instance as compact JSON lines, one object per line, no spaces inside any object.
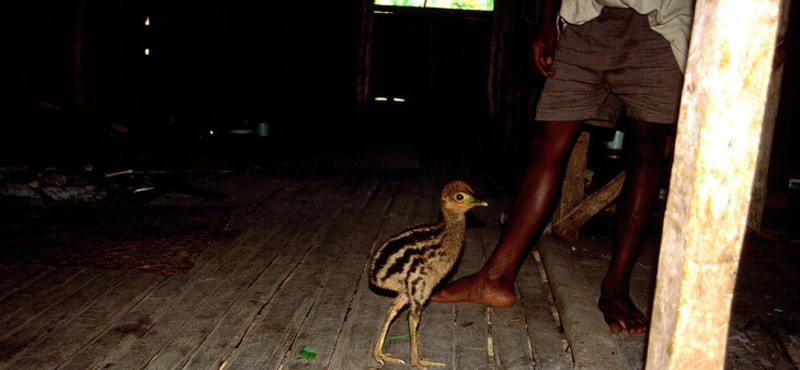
{"x":611,"y":62}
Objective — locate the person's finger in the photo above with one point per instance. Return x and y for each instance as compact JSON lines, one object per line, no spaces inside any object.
{"x":540,"y":60}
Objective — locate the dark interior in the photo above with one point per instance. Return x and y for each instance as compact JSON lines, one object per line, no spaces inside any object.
{"x":343,"y":78}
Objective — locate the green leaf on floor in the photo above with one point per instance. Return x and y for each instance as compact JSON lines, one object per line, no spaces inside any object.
{"x":307,"y":353}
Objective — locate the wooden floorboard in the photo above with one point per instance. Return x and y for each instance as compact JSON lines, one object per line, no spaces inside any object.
{"x":54,"y":281}
{"x":547,"y":341}
{"x":69,"y":337}
{"x":512,"y":347}
{"x":367,"y":310}
{"x":41,"y":317}
{"x":15,"y":278}
{"x":249,"y":265}
{"x":289,"y":299}
{"x":19,"y":315}
{"x":290,"y":271}
{"x":309,"y":290}
{"x":472,"y":334}
{"x":117,"y":340}
{"x":330,"y":308}
{"x":371,"y":226}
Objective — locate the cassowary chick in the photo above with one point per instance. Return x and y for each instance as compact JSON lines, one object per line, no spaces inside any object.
{"x":413,"y":262}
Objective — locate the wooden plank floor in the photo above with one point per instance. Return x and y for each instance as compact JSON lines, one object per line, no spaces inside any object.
{"x":291,"y":273}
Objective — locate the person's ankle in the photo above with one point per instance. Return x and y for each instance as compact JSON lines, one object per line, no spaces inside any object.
{"x":613,"y":286}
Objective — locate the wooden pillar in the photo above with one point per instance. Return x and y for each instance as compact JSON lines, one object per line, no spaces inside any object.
{"x":759,"y":197}
{"x":572,"y":189}
{"x":79,"y":56}
{"x":720,"y":122}
{"x":364,"y":58}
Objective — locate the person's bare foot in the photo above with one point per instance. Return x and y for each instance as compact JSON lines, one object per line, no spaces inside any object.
{"x":621,"y":314}
{"x":477,"y":288}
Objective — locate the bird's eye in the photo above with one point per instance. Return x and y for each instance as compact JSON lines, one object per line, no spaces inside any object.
{"x":460,"y":197}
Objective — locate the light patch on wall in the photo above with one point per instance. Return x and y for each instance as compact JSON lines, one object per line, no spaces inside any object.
{"x":480,"y":5}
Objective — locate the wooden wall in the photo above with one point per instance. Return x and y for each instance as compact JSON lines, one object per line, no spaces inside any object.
{"x":210,"y":63}
{"x":300,"y":66}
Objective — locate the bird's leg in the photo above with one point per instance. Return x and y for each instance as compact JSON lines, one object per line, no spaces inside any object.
{"x":377,"y":352}
{"x":413,"y":323}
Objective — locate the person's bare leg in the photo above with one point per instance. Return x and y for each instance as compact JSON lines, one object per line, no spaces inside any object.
{"x":493,"y":285}
{"x":646,"y":149}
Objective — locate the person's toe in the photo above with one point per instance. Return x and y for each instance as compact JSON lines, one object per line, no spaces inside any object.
{"x":637,"y":323}
{"x":622,"y":315}
{"x":615,"y":327}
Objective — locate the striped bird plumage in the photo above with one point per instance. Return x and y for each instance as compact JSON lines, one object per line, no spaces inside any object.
{"x":414,"y":261}
{"x":403,"y":253}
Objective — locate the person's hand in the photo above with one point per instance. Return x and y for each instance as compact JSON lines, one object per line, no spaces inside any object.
{"x":542,"y":49}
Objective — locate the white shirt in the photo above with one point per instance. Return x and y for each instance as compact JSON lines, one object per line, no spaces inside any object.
{"x":670,"y":18}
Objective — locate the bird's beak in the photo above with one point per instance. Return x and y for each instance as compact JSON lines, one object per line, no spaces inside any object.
{"x":480,"y":203}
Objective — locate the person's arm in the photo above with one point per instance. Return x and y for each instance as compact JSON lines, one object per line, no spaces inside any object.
{"x":544,"y":44}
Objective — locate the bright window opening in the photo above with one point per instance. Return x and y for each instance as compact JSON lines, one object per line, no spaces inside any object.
{"x":482,"y":5}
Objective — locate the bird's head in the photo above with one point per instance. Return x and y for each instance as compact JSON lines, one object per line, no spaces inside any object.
{"x":459,"y":197}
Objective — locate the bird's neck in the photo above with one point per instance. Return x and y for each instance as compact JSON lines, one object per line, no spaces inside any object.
{"x":455,"y":226}
{"x":454,"y":219}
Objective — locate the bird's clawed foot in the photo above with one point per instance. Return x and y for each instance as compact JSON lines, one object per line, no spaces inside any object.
{"x":424,"y":364}
{"x":385,"y":357}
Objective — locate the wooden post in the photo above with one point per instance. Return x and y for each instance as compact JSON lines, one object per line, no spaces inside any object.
{"x":570,"y":222}
{"x":79,"y":56}
{"x":572,"y":189}
{"x":364,"y":58}
{"x":720,"y":122}
{"x":759,"y":197}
